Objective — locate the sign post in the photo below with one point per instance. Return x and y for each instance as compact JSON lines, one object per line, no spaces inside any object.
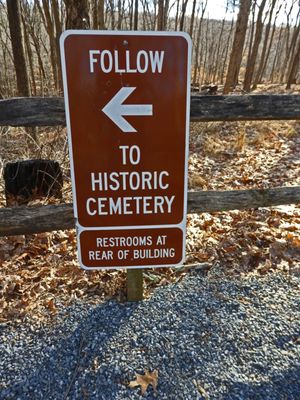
{"x":134,"y":283}
{"x":127,"y":110}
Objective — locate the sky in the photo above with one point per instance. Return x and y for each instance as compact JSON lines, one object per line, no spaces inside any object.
{"x":216,"y":10}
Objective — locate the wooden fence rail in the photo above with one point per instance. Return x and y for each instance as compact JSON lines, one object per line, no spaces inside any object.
{"x":26,"y":220}
{"x":38,"y":111}
{"x":50,"y":111}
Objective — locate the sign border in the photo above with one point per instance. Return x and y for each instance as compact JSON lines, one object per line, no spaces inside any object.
{"x":83,"y":266}
{"x":79,"y":227}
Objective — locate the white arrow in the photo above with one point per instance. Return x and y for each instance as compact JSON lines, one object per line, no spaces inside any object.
{"x":115,"y":109}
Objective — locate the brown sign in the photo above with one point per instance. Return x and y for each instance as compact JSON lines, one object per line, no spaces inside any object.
{"x":119,"y":248}
{"x":127,"y":109}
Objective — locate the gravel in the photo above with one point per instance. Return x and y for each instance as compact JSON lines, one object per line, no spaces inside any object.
{"x":208,"y":337}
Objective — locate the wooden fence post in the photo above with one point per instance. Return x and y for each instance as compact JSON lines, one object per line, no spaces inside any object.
{"x":134,"y":284}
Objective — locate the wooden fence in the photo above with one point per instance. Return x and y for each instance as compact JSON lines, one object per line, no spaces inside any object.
{"x":38,"y":111}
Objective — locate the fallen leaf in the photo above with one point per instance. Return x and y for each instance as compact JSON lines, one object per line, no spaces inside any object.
{"x":50,"y":304}
{"x":149,"y":378}
{"x":196,"y":181}
{"x":22,"y":256}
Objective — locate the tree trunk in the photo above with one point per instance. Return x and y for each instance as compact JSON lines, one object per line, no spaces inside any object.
{"x":166,"y":11}
{"x":202,"y":78}
{"x":58,"y":31}
{"x":264,"y":50}
{"x":136,"y":15}
{"x":37,"y":51}
{"x":252,"y":59}
{"x":77,"y":14}
{"x":29,"y":54}
{"x":177,"y":14}
{"x":13,"y":10}
{"x":286,"y":48}
{"x":197,"y":49}
{"x":160,"y":15}
{"x":238,"y":45}
{"x":101,"y":23}
{"x":50,"y":31}
{"x":294,"y":68}
{"x":223,"y":66}
{"x":277,"y":52}
{"x":216,"y":60}
{"x":249,"y":44}
{"x":95,"y":14}
{"x":183,"y":11}
{"x":120,"y":16}
{"x":270,"y":44}
{"x":292,"y":49}
{"x":192,"y":19}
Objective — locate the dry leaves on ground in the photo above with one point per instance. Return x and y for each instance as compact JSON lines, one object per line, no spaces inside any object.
{"x":229,"y":156}
{"x":40,"y":273}
{"x":149,"y":378}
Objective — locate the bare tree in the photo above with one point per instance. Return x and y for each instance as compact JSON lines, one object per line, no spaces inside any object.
{"x":270,"y":52}
{"x":254,"y":51}
{"x":136,"y":15}
{"x":182,"y":17}
{"x":177,"y":14}
{"x":277,"y":53}
{"x":13,"y":11}
{"x":49,"y":26}
{"x":160,"y":15}
{"x":149,"y":15}
{"x":270,"y":44}
{"x":258,"y":75}
{"x":292,"y":47}
{"x":225,"y":52}
{"x":166,"y":12}
{"x":197,"y":56}
{"x":238,"y":45}
{"x":58,"y":31}
{"x":192,"y":19}
{"x":101,"y":23}
{"x":288,"y":13}
{"x":77,"y":14}
{"x":94,"y":14}
{"x":33,"y":20}
{"x":294,"y":67}
{"x":216,"y":60}
{"x":250,"y":33}
{"x":7,"y":61}
{"x":28,"y":49}
{"x":204,"y":55}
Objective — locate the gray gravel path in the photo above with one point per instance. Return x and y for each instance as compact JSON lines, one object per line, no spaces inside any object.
{"x":236,"y":339}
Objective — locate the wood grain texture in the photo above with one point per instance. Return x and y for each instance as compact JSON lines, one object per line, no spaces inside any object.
{"x":245,"y":107}
{"x":27,"y":220}
{"x":210,"y":201}
{"x":50,"y":111}
{"x":32,"y":111}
